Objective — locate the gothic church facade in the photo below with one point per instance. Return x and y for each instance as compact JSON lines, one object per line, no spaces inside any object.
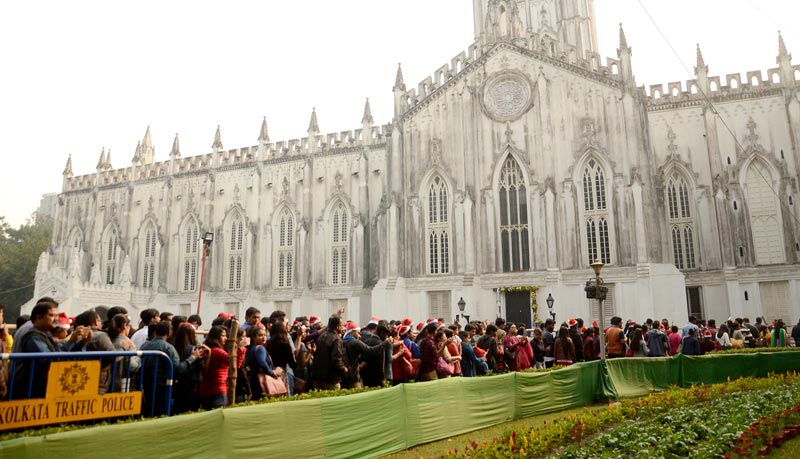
{"x":515,"y":164}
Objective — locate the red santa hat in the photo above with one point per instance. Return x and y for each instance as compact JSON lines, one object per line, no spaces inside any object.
{"x":63,"y":321}
{"x":403,"y":329}
{"x":420,"y":326}
{"x":224,"y":315}
{"x":313,"y":320}
{"x":351,"y":327}
{"x":373,"y":321}
{"x":407,"y":321}
{"x":572,"y":322}
{"x":594,"y":324}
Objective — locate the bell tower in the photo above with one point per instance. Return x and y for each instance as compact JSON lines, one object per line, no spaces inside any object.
{"x":571,"y":22}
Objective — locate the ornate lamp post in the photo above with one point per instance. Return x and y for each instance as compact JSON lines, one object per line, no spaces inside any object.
{"x":207,"y":240}
{"x":461,"y":306}
{"x":595,"y":289}
{"x":550,"y":302}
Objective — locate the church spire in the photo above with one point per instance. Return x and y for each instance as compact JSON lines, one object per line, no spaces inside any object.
{"x":398,"y":80}
{"x":367,"y":118}
{"x":623,"y":42}
{"x":701,"y":71}
{"x":137,"y":155}
{"x":147,"y":141}
{"x":148,"y":151}
{"x":217,"y":145}
{"x":102,"y":161}
{"x":108,"y":160}
{"x":263,"y":135}
{"x":176,"y":148}
{"x":701,"y":63}
{"x":313,"y":125}
{"x":68,"y":167}
{"x":782,"y":51}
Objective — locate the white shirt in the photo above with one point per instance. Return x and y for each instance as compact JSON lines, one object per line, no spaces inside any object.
{"x":140,"y":337}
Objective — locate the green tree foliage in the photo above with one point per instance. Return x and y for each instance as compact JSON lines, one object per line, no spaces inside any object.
{"x":19,"y":254}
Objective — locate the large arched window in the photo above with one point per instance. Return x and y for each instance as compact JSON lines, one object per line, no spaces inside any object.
{"x":190,"y":247}
{"x":110,"y":258}
{"x":765,"y":221}
{"x":235,"y":253}
{"x":149,"y":256}
{"x":340,"y":244}
{"x":679,"y":216}
{"x":595,"y":213}
{"x":285,"y":255}
{"x":513,"y":203}
{"x":438,"y":227}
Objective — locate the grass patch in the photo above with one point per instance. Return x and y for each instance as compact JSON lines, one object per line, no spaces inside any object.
{"x":439,"y":448}
{"x":789,"y":450}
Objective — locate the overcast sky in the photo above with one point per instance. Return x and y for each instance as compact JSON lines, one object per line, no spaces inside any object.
{"x":77,"y":76}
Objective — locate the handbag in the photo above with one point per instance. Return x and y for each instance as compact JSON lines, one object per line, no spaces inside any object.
{"x":272,"y":386}
{"x":737,"y":343}
{"x":444,"y":368}
{"x":299,"y":385}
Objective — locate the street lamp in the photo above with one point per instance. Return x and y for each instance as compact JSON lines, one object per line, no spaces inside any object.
{"x":595,"y":289}
{"x":461,"y":306}
{"x":550,"y":302}
{"x":208,"y":238}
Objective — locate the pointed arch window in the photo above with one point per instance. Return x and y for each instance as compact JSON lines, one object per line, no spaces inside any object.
{"x":236,"y":253}
{"x":340,"y":244}
{"x":765,"y":219}
{"x":285,"y":249}
{"x":438,"y":227}
{"x":111,"y":255}
{"x":514,"y":229}
{"x":190,"y":253}
{"x":595,"y":213}
{"x":149,"y":257}
{"x":679,"y":217}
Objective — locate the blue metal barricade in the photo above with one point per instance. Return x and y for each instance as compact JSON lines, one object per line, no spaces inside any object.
{"x":156,"y":388}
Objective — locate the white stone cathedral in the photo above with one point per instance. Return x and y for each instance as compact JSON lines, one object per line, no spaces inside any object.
{"x":515,"y":164}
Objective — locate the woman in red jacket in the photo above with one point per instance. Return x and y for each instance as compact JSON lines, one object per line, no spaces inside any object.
{"x":214,"y":376}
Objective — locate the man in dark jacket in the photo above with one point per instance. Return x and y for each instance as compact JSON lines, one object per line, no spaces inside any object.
{"x":357,"y":352}
{"x":691,"y":346}
{"x":329,"y":367}
{"x":488,"y":342}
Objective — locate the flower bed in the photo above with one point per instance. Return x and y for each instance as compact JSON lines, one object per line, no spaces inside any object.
{"x":766,"y":433}
{"x":703,"y":421}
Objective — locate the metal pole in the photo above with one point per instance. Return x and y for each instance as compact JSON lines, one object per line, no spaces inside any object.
{"x":602,"y":318}
{"x":202,"y":276}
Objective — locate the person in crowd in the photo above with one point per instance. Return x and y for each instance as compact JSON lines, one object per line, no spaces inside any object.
{"x":500,"y":323}
{"x":796,"y":334}
{"x":252,"y":316}
{"x":186,"y":385}
{"x":510,"y":344}
{"x":708,"y":342}
{"x":147,"y":316}
{"x":615,"y":339}
{"x":280,"y":349}
{"x":575,"y":335}
{"x":589,"y":351}
{"x":443,"y":352}
{"x":61,"y":331}
{"x":166,"y":316}
{"x":712,"y":326}
{"x":38,"y":339}
{"x":549,"y":341}
{"x":176,"y":324}
{"x":154,"y":396}
{"x":25,"y":323}
{"x":355,"y":350}
{"x":779,"y":335}
{"x":258,"y":361}
{"x":657,"y":341}
{"x":638,"y":347}
{"x":691,"y":325}
{"x":99,"y":342}
{"x":213,"y":390}
{"x":674,"y":338}
{"x":723,"y":337}
{"x":690,"y":344}
{"x":328,"y":368}
{"x":429,"y":353}
{"x":565,"y":348}
{"x":125,"y":368}
{"x":454,"y":349}
{"x":471,"y":364}
{"x":488,"y":342}
{"x":737,"y":337}
{"x":242,"y":392}
{"x":526,"y":360}
{"x":195,"y":321}
{"x":402,"y":366}
{"x":113,"y":311}
{"x":539,"y":349}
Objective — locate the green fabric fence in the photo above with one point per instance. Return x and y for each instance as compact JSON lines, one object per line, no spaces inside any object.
{"x":380,"y":422}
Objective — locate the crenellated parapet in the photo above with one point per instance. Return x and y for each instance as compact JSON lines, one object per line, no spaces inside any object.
{"x":333,"y":143}
{"x":541,"y":47}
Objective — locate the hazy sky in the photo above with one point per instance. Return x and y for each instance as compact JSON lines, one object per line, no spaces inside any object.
{"x":81,"y":75}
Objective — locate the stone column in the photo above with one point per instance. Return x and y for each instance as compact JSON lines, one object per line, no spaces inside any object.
{"x":639,"y":223}
{"x":457,"y":249}
{"x":489,"y":246}
{"x":469,"y":242}
{"x":550,"y":228}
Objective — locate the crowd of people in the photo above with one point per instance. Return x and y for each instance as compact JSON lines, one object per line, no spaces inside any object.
{"x":276,"y":355}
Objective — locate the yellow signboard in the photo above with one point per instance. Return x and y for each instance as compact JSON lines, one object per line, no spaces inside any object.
{"x":72,"y":395}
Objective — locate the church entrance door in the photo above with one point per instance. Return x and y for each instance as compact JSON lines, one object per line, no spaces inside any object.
{"x":518,"y":308}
